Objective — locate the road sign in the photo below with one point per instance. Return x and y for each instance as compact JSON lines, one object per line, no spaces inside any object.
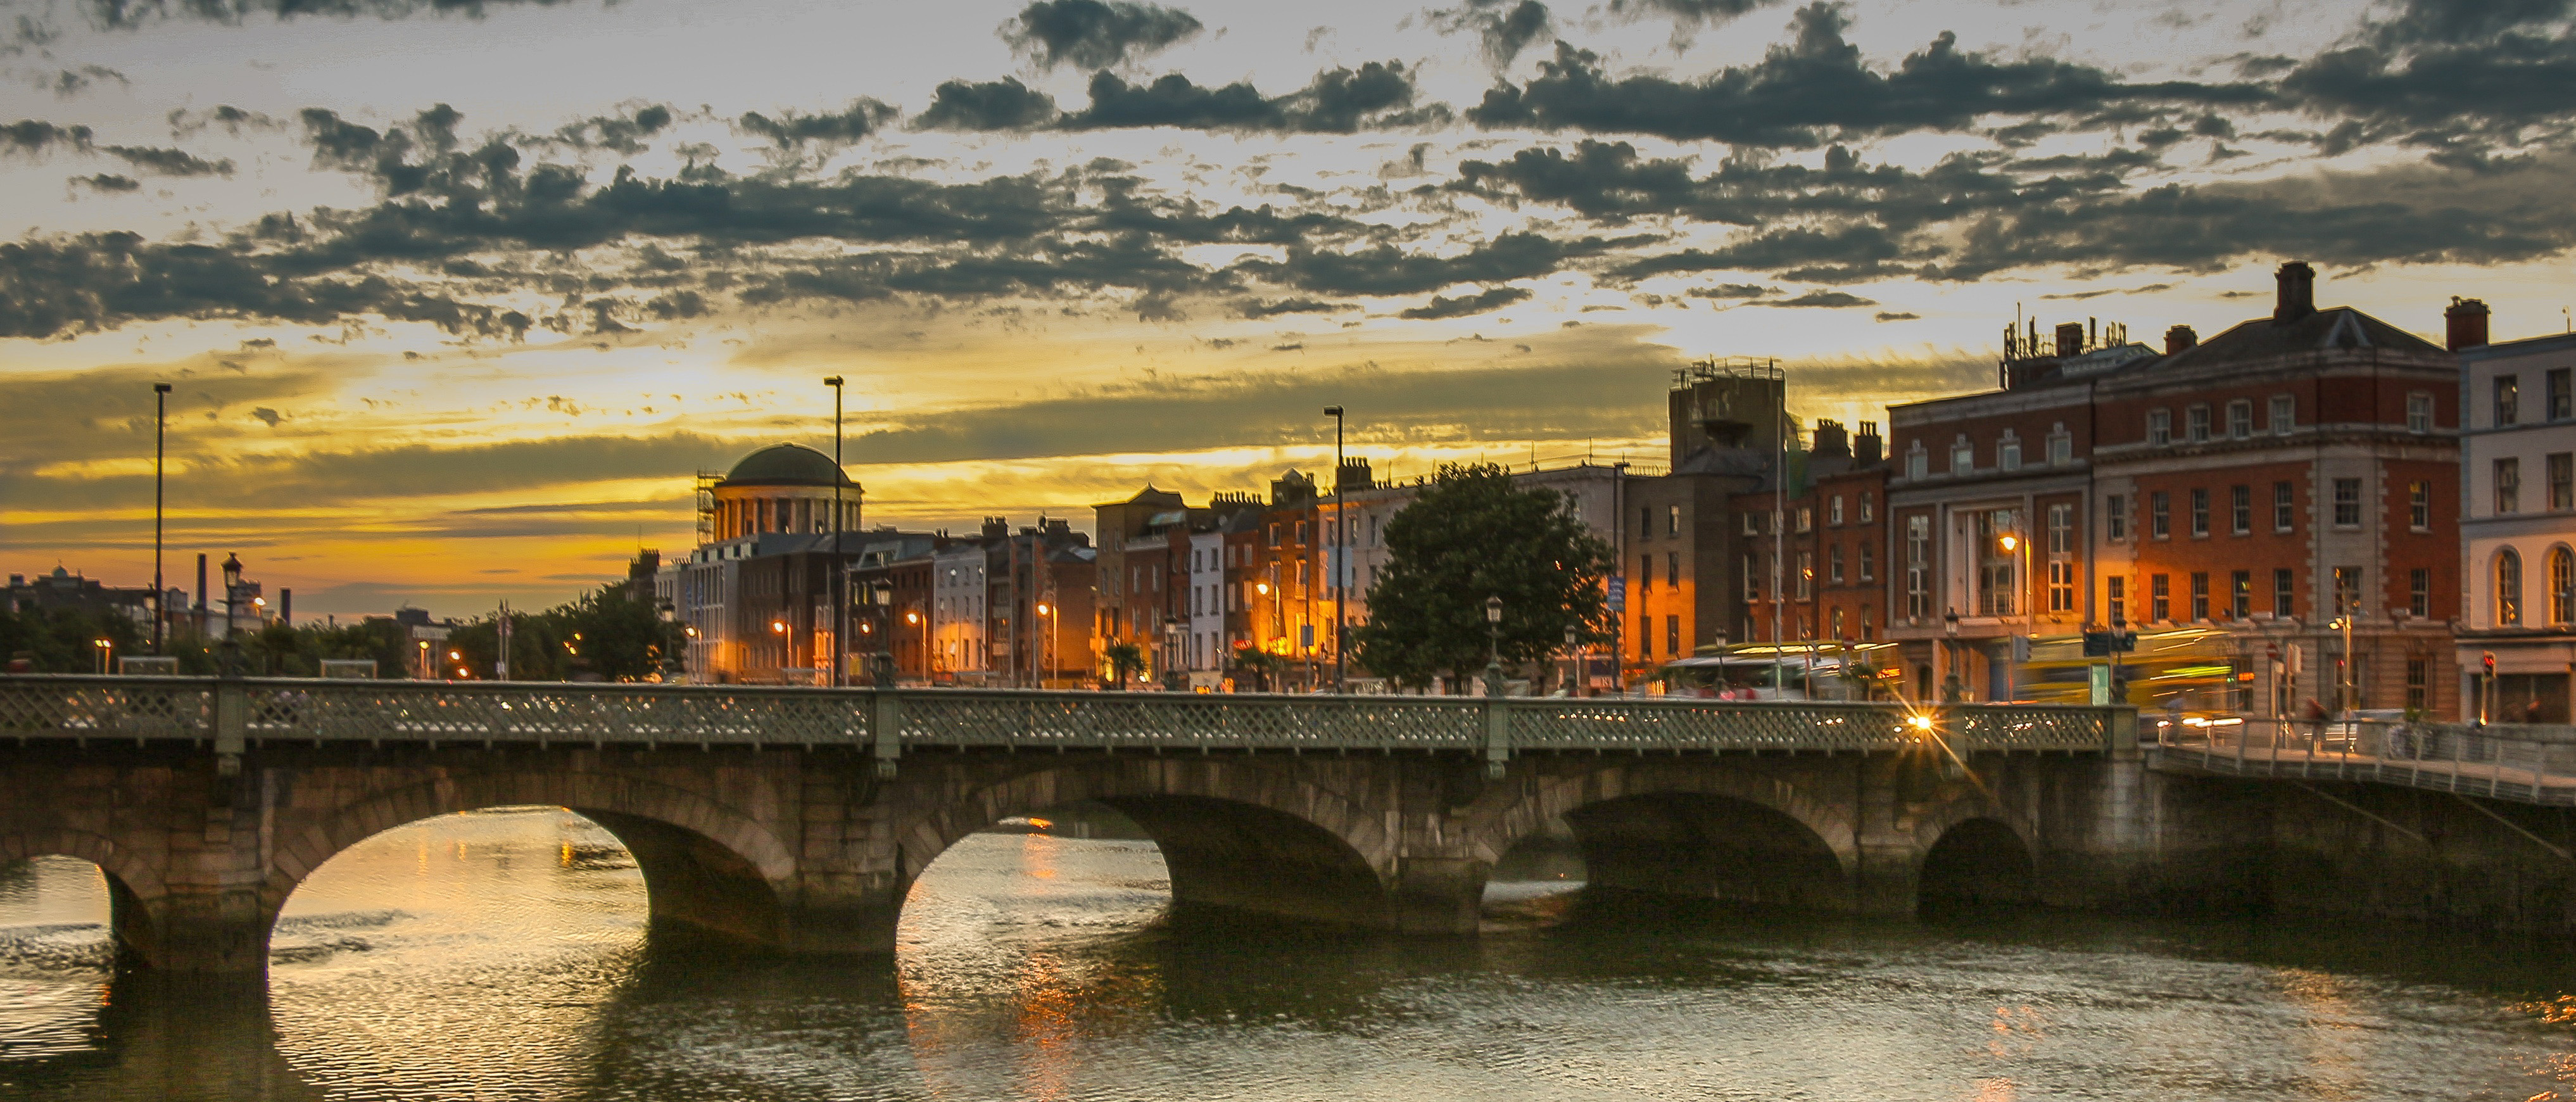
{"x":1618,"y":593}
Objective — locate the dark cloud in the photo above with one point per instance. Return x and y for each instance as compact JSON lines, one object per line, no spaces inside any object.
{"x":792,"y":129}
{"x":1506,"y":27}
{"x":623,"y":132}
{"x":1386,"y":270}
{"x":1803,"y":94}
{"x":67,"y":83}
{"x":109,"y":183}
{"x":1256,"y":308}
{"x":1827,"y":299}
{"x":133,"y":14}
{"x":2461,"y":77}
{"x":29,"y":137}
{"x":168,"y":162}
{"x":1092,"y":34}
{"x":1688,"y":12}
{"x":1004,"y":104}
{"x":1732,"y":290}
{"x":1491,"y":299}
{"x":1337,"y":101}
{"x":1888,"y":315}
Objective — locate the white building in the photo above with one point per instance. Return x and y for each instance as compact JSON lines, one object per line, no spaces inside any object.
{"x":2518,"y":531}
{"x":1205,"y":651}
{"x":958,"y":588}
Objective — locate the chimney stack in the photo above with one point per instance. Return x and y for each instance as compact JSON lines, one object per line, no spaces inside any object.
{"x":2466,"y":322}
{"x":201,"y":593}
{"x":2070,"y":339}
{"x":1868,"y":448}
{"x":286,"y":607}
{"x":2296,"y":295}
{"x":2180,"y":338}
{"x":1829,"y":441}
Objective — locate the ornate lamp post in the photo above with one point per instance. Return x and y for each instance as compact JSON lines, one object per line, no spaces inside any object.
{"x":232,"y":586}
{"x":160,"y":591}
{"x":840,"y":570}
{"x":1494,"y":647}
{"x":1574,"y":658}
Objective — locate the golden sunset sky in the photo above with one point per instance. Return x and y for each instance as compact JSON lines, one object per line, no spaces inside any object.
{"x":455,"y":297}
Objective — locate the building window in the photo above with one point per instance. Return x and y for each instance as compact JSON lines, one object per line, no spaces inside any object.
{"x":1645,"y":522}
{"x":2562,"y":586}
{"x":1918,"y":566}
{"x":1806,"y":518}
{"x":2159,"y":426}
{"x":2284,"y":414}
{"x":1868,"y":562}
{"x":2419,"y":683}
{"x":2419,"y":413}
{"x":2508,"y":400}
{"x":2008,"y":452}
{"x":1672,"y":570}
{"x":2159,"y":597}
{"x":1918,"y":466}
{"x":2115,"y":517}
{"x":2240,"y":509}
{"x":2061,"y":529}
{"x":2240,"y":594}
{"x":2347,"y":584}
{"x":2160,"y":515}
{"x":2285,"y":592}
{"x":1752,"y":524}
{"x":2061,"y":447}
{"x":2562,"y":480}
{"x":1646,"y":572}
{"x":1673,"y":635}
{"x":2240,"y":419}
{"x":2560,"y":398}
{"x":2196,"y":424}
{"x":1998,"y":584}
{"x":1834,"y":565}
{"x":2200,"y":595}
{"x":1838,"y":624}
{"x":2115,"y":599}
{"x":2419,"y":506}
{"x":1868,"y":506}
{"x":2347,"y":502}
{"x":1834,"y":511}
{"x":1963,"y":457}
{"x":2061,"y":586}
{"x":2508,"y":588}
{"x":2284,"y":509}
{"x":1806,"y":575}
{"x":2508,"y":486}
{"x":1752,"y":577}
{"x":1645,"y":637}
{"x":2419,"y":592}
{"x":1672,"y":520}
{"x":2199,"y":512}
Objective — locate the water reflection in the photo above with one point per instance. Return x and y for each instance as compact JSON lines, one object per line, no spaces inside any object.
{"x":506,"y":956}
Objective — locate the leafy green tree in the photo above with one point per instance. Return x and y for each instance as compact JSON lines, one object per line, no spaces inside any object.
{"x":1261,"y":666}
{"x":1474,"y":534}
{"x":64,"y":640}
{"x":614,"y":636}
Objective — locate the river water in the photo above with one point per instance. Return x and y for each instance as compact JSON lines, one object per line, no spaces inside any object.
{"x":504,"y":956}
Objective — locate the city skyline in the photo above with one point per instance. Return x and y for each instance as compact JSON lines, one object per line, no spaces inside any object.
{"x":430,"y":345}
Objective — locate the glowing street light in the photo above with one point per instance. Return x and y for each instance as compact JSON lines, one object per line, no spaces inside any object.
{"x":106,"y":648}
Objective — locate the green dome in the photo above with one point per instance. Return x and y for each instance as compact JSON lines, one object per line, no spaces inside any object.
{"x":786,"y":465}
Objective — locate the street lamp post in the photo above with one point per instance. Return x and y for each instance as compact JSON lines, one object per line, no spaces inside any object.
{"x":106,"y":650}
{"x":232,"y":586}
{"x":1046,"y":636}
{"x":881,"y":599}
{"x":1172,"y":674}
{"x":840,"y":570}
{"x":1340,"y":562}
{"x":2015,"y":545}
{"x":1494,"y":647}
{"x":1574,"y":659}
{"x":160,"y":590}
{"x":1950,"y":652}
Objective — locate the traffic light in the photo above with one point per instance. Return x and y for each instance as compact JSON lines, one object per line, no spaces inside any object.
{"x":2488,"y":658}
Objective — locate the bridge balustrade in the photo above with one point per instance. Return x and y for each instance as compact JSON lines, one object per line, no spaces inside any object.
{"x":80,"y":707}
{"x":2532,"y":764}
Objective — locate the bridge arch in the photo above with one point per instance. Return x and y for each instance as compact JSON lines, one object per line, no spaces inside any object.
{"x":707,"y":869}
{"x":135,"y":887}
{"x":1975,"y":860}
{"x":1241,"y":836}
{"x":1727,"y":834}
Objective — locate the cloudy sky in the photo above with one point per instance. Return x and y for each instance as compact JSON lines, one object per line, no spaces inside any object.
{"x":457,"y":294}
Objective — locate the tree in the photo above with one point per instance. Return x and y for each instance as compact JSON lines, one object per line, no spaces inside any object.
{"x":1263,"y":666}
{"x":1473,"y":534}
{"x":1125,"y":660}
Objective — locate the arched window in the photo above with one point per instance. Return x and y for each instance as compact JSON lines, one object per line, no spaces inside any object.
{"x":2562,"y":586}
{"x":2508,"y":588}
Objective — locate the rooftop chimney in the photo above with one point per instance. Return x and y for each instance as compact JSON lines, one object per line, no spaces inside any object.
{"x":286,"y":607}
{"x":2180,"y":338}
{"x":1868,"y":448}
{"x":1829,"y":441}
{"x":1353,"y":475}
{"x":2070,"y":339}
{"x":2466,"y":322}
{"x":2297,"y":297}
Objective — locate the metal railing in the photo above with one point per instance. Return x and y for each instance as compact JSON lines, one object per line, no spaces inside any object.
{"x":2525,"y":764}
{"x":81,"y":708}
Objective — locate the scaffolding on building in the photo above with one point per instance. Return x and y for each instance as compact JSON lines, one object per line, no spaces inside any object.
{"x":706,"y":491}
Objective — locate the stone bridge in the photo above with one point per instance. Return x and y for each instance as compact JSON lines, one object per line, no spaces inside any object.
{"x":797,"y":820}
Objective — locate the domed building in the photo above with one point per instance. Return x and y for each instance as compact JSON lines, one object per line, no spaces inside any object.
{"x":784,"y":488}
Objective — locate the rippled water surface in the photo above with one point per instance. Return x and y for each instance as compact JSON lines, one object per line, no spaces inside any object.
{"x":504,"y":956}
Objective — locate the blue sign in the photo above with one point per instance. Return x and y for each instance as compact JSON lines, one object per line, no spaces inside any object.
{"x":1618,"y":593}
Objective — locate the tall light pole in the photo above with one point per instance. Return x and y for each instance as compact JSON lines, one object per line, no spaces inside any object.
{"x":232,"y":586}
{"x":160,"y":591}
{"x":2015,"y":545}
{"x":1573,"y":659}
{"x":1494,"y":647}
{"x":840,"y":571}
{"x":1341,"y":558}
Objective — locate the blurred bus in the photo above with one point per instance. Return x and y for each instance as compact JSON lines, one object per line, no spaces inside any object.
{"x":1786,"y":671}
{"x":2190,"y":668}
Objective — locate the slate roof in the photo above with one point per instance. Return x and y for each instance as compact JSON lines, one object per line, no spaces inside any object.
{"x":2340,"y":328}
